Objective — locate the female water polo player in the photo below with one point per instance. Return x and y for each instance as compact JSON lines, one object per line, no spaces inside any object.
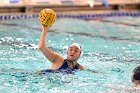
{"x":58,"y":62}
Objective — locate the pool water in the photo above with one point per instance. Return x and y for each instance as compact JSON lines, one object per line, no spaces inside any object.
{"x":110,"y":46}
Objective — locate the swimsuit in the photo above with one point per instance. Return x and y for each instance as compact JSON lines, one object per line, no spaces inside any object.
{"x":64,"y":68}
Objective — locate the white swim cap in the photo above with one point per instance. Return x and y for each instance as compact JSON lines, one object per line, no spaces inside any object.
{"x":77,"y":45}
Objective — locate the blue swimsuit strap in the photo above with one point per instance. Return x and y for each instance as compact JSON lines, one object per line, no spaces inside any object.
{"x":65,"y":65}
{"x":63,"y":68}
{"x":76,"y":66}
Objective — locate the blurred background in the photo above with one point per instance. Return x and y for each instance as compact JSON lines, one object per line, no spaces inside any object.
{"x":7,"y":6}
{"x":83,"y":2}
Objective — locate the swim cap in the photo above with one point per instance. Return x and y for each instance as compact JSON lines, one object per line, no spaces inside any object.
{"x":136,"y":73}
{"x":77,"y":45}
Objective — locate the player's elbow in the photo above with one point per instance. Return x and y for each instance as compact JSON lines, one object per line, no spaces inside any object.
{"x":41,"y":47}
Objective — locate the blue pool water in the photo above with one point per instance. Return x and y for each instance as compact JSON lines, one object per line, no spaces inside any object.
{"x":111,"y":46}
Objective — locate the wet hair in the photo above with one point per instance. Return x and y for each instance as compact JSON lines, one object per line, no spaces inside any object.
{"x":136,"y":72}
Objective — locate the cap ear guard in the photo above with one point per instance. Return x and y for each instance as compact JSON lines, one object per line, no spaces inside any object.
{"x":81,"y":52}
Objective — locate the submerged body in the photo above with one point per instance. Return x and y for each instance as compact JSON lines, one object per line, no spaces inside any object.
{"x":64,"y":68}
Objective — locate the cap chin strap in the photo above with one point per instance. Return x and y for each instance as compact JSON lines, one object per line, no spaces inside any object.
{"x":78,"y":57}
{"x":75,"y":59}
{"x":71,"y":61}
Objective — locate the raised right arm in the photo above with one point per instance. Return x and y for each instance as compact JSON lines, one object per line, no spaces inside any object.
{"x":49,"y":54}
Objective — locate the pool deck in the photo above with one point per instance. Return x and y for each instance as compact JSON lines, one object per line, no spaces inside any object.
{"x":73,"y":8}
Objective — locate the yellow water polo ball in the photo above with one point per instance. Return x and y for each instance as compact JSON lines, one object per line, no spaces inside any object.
{"x":47,"y":17}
